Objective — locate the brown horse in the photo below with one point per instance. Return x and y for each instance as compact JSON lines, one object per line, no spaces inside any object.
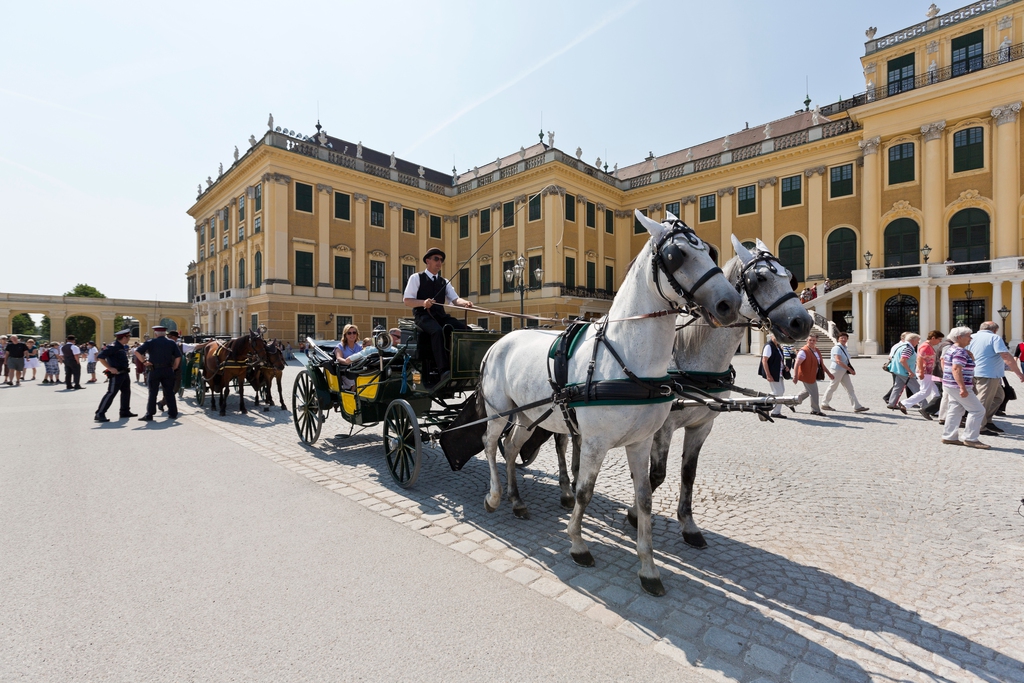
{"x":261,"y":378}
{"x":228,"y":361}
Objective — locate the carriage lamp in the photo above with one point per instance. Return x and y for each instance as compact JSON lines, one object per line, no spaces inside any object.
{"x":926,"y":252}
{"x":867,"y":259}
{"x":195,"y":329}
{"x":969,"y":293}
{"x":1003,"y":312}
{"x":849,"y":321}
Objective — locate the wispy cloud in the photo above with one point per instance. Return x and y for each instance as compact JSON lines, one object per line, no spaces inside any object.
{"x":613,"y":16}
{"x":51,"y":180}
{"x":47,"y":103}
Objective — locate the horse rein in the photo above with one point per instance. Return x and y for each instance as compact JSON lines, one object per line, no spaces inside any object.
{"x":667,"y":257}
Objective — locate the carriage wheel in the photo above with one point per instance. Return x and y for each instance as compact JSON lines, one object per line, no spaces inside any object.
{"x":402,"y":446}
{"x":200,"y":390}
{"x":306,"y":409}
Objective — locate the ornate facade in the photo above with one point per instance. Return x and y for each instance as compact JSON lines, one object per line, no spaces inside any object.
{"x":906,"y":197}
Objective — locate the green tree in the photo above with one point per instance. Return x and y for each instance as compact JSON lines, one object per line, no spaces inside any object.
{"x":86,"y":290}
{"x":44,"y":328}
{"x":22,"y":324}
{"x":82,"y":327}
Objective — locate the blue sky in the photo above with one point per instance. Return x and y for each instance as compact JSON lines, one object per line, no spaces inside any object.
{"x":112,"y":113}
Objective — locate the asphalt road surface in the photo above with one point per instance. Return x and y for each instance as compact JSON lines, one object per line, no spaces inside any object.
{"x":166,"y":552}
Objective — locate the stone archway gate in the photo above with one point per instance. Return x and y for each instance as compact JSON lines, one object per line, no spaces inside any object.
{"x":102,"y":311}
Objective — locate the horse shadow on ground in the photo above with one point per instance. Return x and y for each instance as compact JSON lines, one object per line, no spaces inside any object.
{"x":729,"y":606}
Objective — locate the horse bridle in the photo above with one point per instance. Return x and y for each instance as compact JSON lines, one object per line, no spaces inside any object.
{"x":755,"y":271}
{"x":668,"y":257}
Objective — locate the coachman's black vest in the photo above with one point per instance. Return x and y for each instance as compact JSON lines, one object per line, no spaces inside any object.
{"x":429,"y":289}
{"x":774,"y":363}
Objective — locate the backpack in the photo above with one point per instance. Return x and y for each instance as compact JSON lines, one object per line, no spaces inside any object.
{"x":45,"y":356}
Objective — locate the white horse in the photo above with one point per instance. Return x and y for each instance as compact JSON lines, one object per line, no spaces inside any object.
{"x":676,"y":268}
{"x":768,"y":298}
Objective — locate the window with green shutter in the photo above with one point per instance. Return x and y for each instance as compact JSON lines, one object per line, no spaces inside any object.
{"x":746,"y":200}
{"x":534,"y":264}
{"x":377,"y":276}
{"x":463,"y":227}
{"x":968,"y":149}
{"x":258,"y":197}
{"x":408,"y":221}
{"x":257,"y":269}
{"x":463,"y":282}
{"x":609,"y":221}
{"x":708,"y":208}
{"x":304,"y":197}
{"x":485,"y":220}
{"x":485,"y":279}
{"x":570,"y":271}
{"x":901,"y":163}
{"x":303,"y":268}
{"x":591,"y":215}
{"x":792,"y":191}
{"x":408,"y":270}
{"x":435,"y":227}
{"x":241,"y":208}
{"x":841,"y":181}
{"x":534,"y":211}
{"x":791,"y":255}
{"x":342,"y":206}
{"x":609,"y":279}
{"x":342,"y":272}
{"x":377,"y":214}
{"x":508,"y":214}
{"x":672,"y":208}
{"x":900,"y":74}
{"x":638,"y":227}
{"x":570,"y":208}
{"x":967,"y":52}
{"x":591,"y":276}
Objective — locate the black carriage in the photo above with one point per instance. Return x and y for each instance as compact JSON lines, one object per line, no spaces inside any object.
{"x":390,"y":387}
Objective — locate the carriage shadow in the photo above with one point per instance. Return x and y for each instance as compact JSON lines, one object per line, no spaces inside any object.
{"x":721,"y":601}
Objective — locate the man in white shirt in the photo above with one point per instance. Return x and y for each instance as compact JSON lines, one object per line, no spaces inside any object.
{"x":426,"y":293}
{"x":842,"y":369}
{"x":72,"y":366}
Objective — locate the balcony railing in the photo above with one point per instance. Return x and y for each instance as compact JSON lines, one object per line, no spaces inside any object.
{"x":935,"y":23}
{"x":586,"y":293}
{"x":1010,"y":53}
{"x":939,"y":270}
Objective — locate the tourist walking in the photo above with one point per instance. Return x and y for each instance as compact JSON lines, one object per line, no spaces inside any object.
{"x":90,"y":360}
{"x":31,"y":359}
{"x":3,"y":358}
{"x":991,"y":359}
{"x":52,"y":363}
{"x":772,"y":368}
{"x":842,"y":370}
{"x":72,"y":366}
{"x":925,"y":373}
{"x":809,"y":368}
{"x":958,"y":386}
{"x":15,"y":353}
{"x":903,"y":364}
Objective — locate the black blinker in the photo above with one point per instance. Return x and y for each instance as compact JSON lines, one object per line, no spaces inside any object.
{"x":673,"y":257}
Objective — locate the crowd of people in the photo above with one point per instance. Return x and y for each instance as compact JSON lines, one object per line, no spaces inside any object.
{"x":958,"y":378}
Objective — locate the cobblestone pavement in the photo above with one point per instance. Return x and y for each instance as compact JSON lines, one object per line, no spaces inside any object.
{"x":843,"y":548}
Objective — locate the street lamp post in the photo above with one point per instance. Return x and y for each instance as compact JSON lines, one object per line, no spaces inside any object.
{"x":1003,"y":312}
{"x":867,"y":259}
{"x":518,"y":276}
{"x":926,"y":252}
{"x":849,"y":321}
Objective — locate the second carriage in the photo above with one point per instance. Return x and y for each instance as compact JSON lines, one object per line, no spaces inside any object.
{"x":390,"y":388}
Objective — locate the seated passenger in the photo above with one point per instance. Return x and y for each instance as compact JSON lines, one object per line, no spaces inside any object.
{"x":349,"y":343}
{"x":371,"y":350}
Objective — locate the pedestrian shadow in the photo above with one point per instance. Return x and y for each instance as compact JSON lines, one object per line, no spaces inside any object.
{"x":730,"y":606}
{"x":157,"y":424}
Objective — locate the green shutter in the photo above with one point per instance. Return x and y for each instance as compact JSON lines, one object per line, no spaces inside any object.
{"x":570,"y":272}
{"x":342,"y":272}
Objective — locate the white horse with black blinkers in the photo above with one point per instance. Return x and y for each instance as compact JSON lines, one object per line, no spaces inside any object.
{"x":676,"y":269}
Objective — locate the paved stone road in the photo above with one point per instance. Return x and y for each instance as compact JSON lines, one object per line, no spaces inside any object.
{"x":844,"y":548}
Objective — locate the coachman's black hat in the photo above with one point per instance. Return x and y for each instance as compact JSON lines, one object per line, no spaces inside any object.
{"x":433,"y":251}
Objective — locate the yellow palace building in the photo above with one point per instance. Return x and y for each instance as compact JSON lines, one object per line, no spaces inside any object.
{"x":905,"y":197}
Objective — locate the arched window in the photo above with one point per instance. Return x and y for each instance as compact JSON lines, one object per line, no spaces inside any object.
{"x":750,"y":245}
{"x":227,"y":277}
{"x":257,"y":270}
{"x":791,"y":255}
{"x":902,"y":247}
{"x":241,"y":273}
{"x":842,"y":254}
{"x":968,"y":240}
{"x":901,"y":315}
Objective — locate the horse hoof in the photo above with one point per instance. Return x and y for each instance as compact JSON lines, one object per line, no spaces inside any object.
{"x":489,"y":507}
{"x":568,"y":502}
{"x":695,"y":540}
{"x":584,"y":559}
{"x":631,"y":517}
{"x":652,"y":586}
{"x":521,"y":513}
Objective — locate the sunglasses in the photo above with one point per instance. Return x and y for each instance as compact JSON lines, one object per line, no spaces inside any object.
{"x":352,"y":332}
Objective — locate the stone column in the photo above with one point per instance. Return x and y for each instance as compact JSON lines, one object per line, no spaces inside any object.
{"x":474,"y":234}
{"x":554,"y":223}
{"x":57,"y":329}
{"x":870,"y":316}
{"x":854,"y":343}
{"x":497,"y":274}
{"x":757,"y":341}
{"x":278,"y":247}
{"x":1016,"y":313}
{"x":395,"y":258}
{"x":725,"y":250}
{"x":997,"y":300}
{"x":871,"y":204}
{"x":933,"y":185}
{"x":815,"y":230}
{"x":5,"y":321}
{"x":926,"y":309}
{"x":359,"y":290}
{"x":105,"y":333}
{"x":1006,"y":188}
{"x":323,"y":285}
{"x":690,"y":211}
{"x":767,"y":199}
{"x":944,"y":308}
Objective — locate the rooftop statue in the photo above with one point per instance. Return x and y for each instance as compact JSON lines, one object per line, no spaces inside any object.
{"x":270,"y":122}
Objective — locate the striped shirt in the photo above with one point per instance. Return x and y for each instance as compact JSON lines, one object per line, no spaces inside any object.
{"x":956,"y":355}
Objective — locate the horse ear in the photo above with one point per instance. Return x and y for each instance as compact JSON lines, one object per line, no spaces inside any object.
{"x":671,"y":217}
{"x":656,"y":229}
{"x":741,"y":251}
{"x":761,"y":246}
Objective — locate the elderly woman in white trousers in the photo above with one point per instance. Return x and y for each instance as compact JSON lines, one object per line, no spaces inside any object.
{"x":957,"y":386}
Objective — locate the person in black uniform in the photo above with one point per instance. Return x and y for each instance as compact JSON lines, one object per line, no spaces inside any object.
{"x":115,"y":359}
{"x":162,"y":403}
{"x":164,"y":359}
{"x":426,"y":294}
{"x":72,"y":367}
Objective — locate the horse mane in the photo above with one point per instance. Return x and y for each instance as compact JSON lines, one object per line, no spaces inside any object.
{"x":696,"y":335}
